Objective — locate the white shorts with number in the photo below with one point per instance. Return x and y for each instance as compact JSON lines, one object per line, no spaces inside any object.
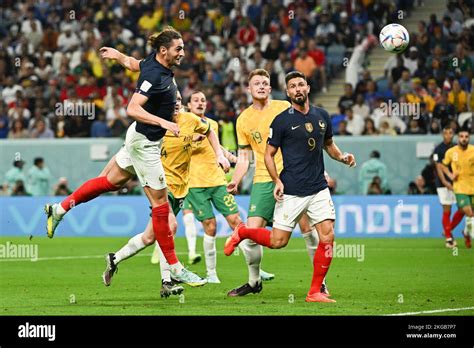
{"x":142,"y":157}
{"x":446,"y":197}
{"x":319,"y":207}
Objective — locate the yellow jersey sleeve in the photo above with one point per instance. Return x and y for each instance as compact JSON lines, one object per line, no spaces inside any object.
{"x":201,"y":125}
{"x":205,"y":171}
{"x":242,"y":139}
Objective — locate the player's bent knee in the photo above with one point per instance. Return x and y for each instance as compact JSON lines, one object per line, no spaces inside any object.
{"x":279,"y":243}
{"x":234,"y":220}
{"x":148,"y":239}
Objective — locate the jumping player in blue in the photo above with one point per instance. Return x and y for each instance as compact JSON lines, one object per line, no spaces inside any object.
{"x":302,"y":132}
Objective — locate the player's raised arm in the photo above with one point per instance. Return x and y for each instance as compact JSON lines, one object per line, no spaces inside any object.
{"x":243,"y":162}
{"x":128,"y":62}
{"x":335,"y":153}
{"x":136,"y":111}
{"x":221,"y":159}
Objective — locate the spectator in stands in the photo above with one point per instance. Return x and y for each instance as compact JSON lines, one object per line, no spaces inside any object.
{"x":360,"y":107}
{"x":369,"y":127}
{"x":337,"y":118}
{"x":405,"y":83}
{"x":325,"y":31}
{"x":320,"y":60}
{"x":452,"y":31}
{"x":414,"y":127}
{"x":453,"y":12}
{"x":386,"y":129}
{"x":347,"y":100}
{"x":306,"y":65}
{"x":374,"y":187}
{"x":18,"y":131}
{"x":458,"y":97}
{"x":4,"y":122}
{"x":99,"y":128}
{"x":417,"y":187}
{"x":369,"y":170}
{"x":342,"y":128}
{"x":39,"y":178}
{"x":62,"y":188}
{"x":355,"y":122}
{"x":434,"y":91}
{"x":40,"y":130}
{"x":411,"y":62}
{"x":19,"y":189}
{"x":345,"y":33}
{"x":117,"y":119}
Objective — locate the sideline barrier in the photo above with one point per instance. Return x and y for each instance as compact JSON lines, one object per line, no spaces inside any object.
{"x":356,"y":216}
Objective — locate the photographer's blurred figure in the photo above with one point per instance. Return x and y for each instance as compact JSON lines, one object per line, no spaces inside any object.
{"x":62,"y":188}
{"x":19,"y":189}
{"x":369,"y":170}
{"x":38,"y":178}
{"x":13,"y":175}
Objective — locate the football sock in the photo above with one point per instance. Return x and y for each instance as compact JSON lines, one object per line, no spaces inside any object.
{"x":87,"y":191}
{"x":468,"y":229}
{"x":163,"y":234}
{"x":312,"y":240}
{"x":191,"y":232}
{"x":321,"y":262}
{"x":134,"y":245}
{"x":164,"y":265}
{"x":457,"y":218}
{"x":253,"y":256}
{"x":447,"y":224}
{"x":209,"y":244}
{"x":258,"y":235}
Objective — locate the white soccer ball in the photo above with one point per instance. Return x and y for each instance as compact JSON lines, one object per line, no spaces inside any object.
{"x":394,"y":38}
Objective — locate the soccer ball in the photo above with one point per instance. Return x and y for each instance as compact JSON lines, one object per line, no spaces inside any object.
{"x":394,"y":38}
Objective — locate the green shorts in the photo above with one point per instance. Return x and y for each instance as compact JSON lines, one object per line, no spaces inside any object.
{"x":187,"y":204}
{"x":201,"y":198}
{"x":262,"y":202}
{"x":176,"y":204}
{"x":464,"y":200}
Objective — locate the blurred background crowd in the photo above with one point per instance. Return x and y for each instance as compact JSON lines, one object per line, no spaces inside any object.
{"x":49,"y":58}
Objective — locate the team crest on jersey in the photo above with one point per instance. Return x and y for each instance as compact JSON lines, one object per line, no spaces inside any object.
{"x":322,"y":125}
{"x":309,"y":127}
{"x":253,"y":207}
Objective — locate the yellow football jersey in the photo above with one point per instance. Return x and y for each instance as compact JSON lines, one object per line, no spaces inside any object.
{"x":205,"y":171}
{"x":176,"y":152}
{"x":253,"y":127}
{"x":462,"y":162}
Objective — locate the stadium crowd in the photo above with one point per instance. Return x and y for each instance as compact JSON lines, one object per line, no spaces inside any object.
{"x":54,"y":85}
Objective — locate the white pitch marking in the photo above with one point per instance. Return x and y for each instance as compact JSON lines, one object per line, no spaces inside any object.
{"x":434,"y":311}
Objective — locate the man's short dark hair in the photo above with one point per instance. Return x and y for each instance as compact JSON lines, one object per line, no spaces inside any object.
{"x":164,"y":38}
{"x":463,"y":129}
{"x":293,"y":75}
{"x":38,"y":160}
{"x":375,"y":154}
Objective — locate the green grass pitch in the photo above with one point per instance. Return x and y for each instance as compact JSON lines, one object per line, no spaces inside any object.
{"x":396,"y":276}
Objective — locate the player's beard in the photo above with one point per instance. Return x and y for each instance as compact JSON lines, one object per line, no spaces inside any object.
{"x":463,"y":144}
{"x":300,"y":101}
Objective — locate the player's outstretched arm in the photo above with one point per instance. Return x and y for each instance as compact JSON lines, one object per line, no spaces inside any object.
{"x":127,"y":62}
{"x":270,"y":152}
{"x":216,"y":146}
{"x":336,"y":154}
{"x":243,"y":162}
{"x":136,"y":111}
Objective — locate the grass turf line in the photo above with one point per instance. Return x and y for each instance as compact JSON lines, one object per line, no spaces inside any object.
{"x":396,"y":276}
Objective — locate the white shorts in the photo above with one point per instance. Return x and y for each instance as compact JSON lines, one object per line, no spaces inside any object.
{"x":142,"y":157}
{"x":446,"y":197}
{"x":319,"y":207}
